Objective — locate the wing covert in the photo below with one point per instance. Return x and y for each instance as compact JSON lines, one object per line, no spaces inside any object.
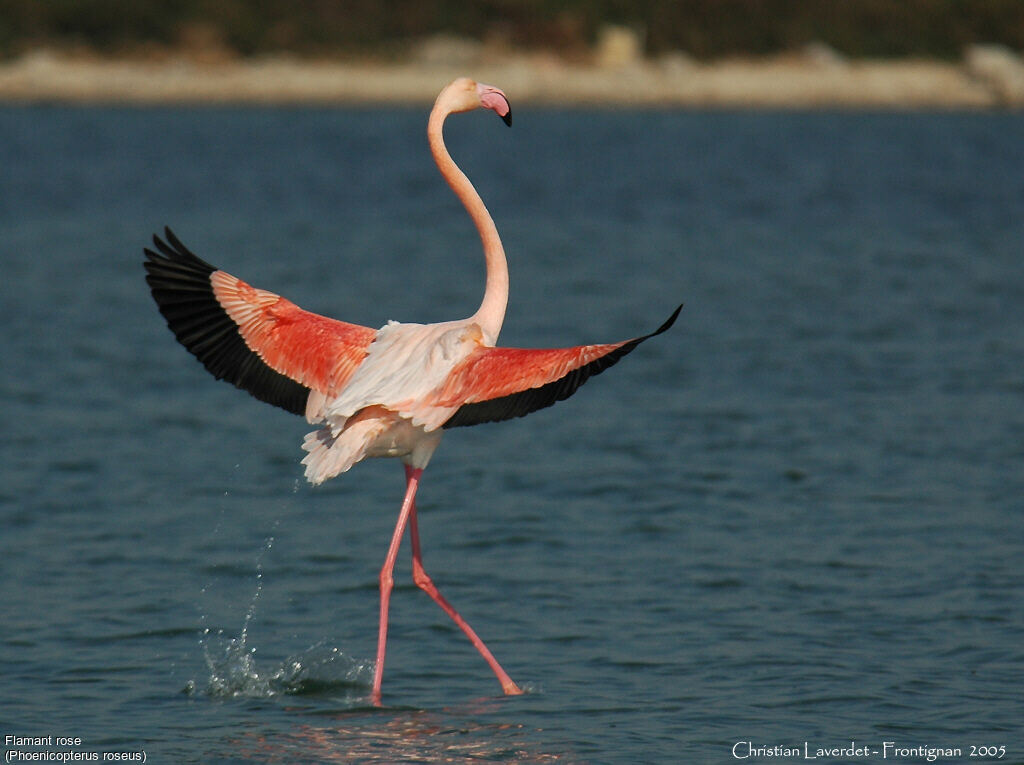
{"x":503,"y":383}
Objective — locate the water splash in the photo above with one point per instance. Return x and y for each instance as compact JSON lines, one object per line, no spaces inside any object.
{"x":233,"y":672}
{"x":318,"y":670}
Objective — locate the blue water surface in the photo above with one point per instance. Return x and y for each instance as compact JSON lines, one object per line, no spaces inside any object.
{"x":796,"y":517}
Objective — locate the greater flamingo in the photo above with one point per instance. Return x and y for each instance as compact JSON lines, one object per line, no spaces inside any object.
{"x":389,"y":392}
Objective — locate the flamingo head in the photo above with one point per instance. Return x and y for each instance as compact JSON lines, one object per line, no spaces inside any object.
{"x":464,"y":95}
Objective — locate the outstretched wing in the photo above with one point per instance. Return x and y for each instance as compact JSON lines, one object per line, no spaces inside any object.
{"x":256,"y":340}
{"x":495,"y":384}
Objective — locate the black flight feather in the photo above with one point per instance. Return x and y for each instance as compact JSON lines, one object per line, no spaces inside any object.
{"x":180,"y":283}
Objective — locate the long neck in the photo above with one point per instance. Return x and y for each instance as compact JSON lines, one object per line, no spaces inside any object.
{"x":491,"y":314}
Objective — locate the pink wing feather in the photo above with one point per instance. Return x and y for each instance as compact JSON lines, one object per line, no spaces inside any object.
{"x":493,"y":384}
{"x":315,"y":351}
{"x":490,"y":373}
{"x":254,"y":339}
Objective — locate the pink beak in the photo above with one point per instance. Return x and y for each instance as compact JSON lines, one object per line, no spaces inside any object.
{"x":493,"y":99}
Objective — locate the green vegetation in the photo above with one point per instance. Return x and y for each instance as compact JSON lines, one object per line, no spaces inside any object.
{"x":702,"y":28}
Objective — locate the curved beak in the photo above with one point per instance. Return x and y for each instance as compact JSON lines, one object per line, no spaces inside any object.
{"x":492,"y":98}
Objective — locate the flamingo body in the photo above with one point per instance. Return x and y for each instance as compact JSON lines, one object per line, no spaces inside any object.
{"x":389,"y":392}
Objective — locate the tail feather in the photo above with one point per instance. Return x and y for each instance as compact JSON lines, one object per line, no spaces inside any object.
{"x":332,"y":452}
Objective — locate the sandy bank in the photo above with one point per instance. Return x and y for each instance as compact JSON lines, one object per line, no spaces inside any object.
{"x":987,"y":77}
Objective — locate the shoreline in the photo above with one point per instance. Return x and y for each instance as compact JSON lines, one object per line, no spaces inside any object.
{"x":987,"y":78}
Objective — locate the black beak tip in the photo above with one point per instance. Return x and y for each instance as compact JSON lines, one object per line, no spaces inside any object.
{"x":507,"y":118}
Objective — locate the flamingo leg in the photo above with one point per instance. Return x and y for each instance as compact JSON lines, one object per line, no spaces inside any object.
{"x":387,"y":579}
{"x":425,"y":583}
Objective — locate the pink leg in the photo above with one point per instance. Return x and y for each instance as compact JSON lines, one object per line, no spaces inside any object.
{"x":387,"y":579}
{"x":426,"y":584}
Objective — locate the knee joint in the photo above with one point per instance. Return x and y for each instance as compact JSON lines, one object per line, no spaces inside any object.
{"x":419,"y":576}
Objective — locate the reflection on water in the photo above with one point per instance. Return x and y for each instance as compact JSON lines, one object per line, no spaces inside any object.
{"x":403,"y":736}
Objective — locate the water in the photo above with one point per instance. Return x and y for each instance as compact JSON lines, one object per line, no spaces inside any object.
{"x":795,"y":517}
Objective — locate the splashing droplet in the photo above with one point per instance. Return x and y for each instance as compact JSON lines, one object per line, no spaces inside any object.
{"x":233,"y":671}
